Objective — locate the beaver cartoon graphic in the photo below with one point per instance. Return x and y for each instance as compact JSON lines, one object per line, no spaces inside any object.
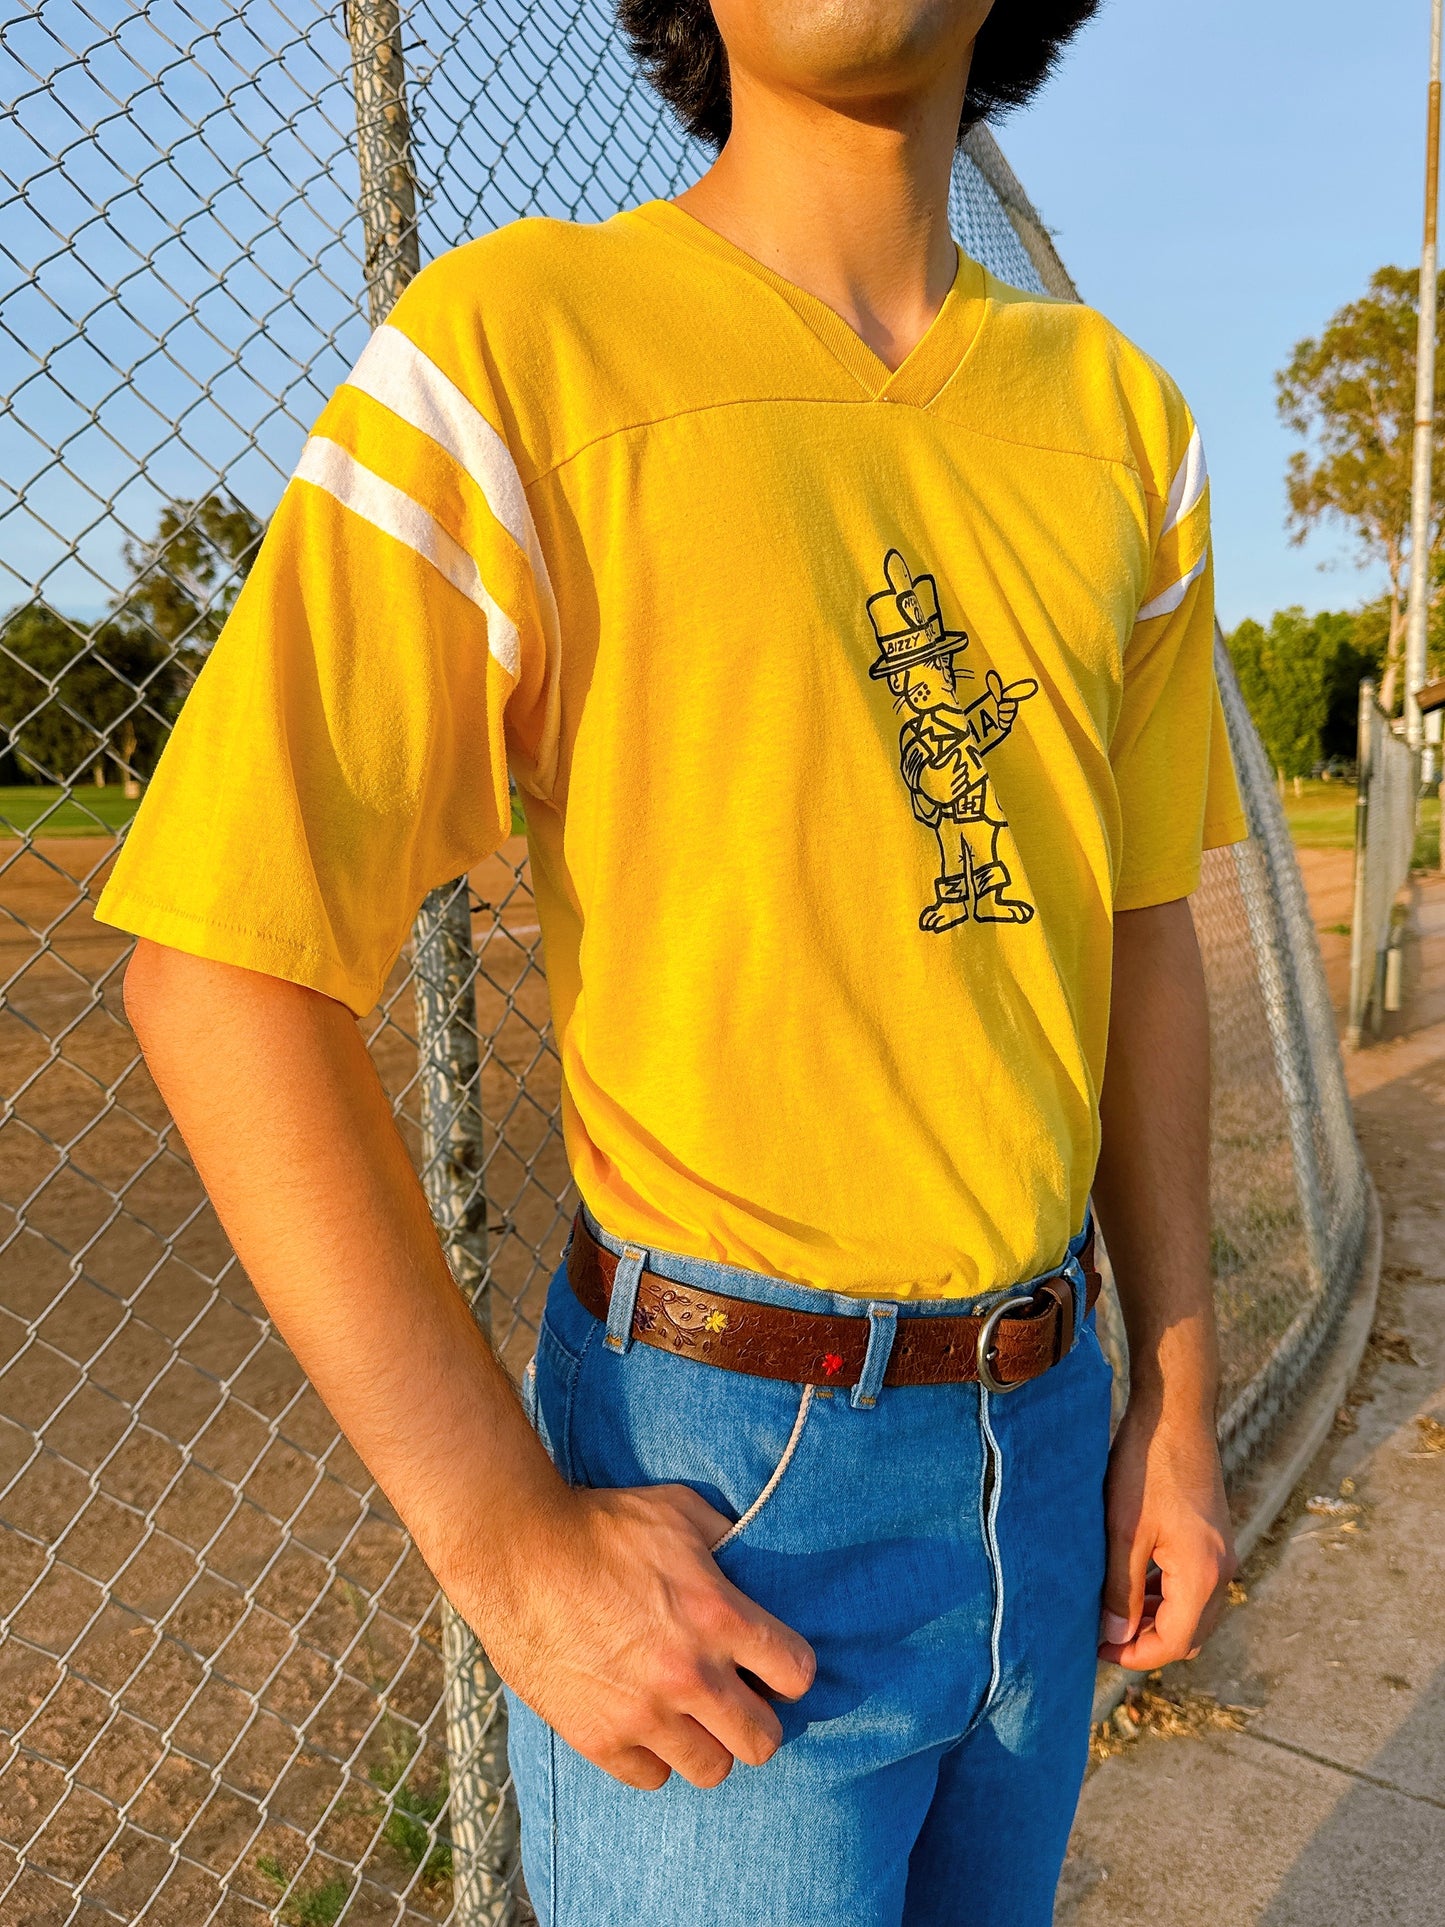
{"x":942,"y":745}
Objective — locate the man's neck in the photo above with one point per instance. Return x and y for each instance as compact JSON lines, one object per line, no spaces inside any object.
{"x":850,"y":205}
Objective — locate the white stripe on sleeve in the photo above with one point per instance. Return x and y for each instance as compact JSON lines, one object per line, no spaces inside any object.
{"x":1166,"y":603}
{"x":1188,"y":486}
{"x":395,"y":372}
{"x":329,"y":466}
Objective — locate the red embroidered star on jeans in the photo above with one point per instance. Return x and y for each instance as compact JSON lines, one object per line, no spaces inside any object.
{"x":831,"y":1363}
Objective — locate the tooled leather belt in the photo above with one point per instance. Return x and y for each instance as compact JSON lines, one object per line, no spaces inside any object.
{"x":1016,"y":1340}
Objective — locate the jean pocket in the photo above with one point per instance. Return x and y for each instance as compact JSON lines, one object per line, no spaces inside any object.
{"x":647,"y":1417}
{"x":551,"y":1397}
{"x":749,"y":1518}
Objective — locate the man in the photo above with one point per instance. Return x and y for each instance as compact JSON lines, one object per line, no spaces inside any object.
{"x":799,"y":1605}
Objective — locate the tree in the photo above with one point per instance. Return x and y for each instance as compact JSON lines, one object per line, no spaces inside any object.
{"x":72,"y":697}
{"x":1284,"y":681}
{"x":75,"y":698}
{"x":187,"y":576}
{"x":1347,"y":647}
{"x":1351,"y":395}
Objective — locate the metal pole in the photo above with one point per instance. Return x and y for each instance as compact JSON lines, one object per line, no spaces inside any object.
{"x":486,"y":1853}
{"x":383,"y":152}
{"x":1417,"y":621}
{"x":483,"y":1819}
{"x":1362,"y":941}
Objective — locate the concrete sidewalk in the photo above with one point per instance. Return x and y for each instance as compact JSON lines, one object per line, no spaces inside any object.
{"x":1326,"y":1808}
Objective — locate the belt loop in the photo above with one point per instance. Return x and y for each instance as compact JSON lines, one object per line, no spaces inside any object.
{"x":623,"y":1302}
{"x":882,"y":1324}
{"x":1072,"y":1274}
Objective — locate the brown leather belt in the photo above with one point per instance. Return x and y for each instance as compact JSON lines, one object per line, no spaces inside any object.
{"x":1017,"y":1340}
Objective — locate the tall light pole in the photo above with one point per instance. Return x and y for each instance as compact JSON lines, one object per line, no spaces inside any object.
{"x":1418,"y":617}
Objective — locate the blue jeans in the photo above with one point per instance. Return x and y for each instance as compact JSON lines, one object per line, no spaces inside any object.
{"x":943,"y":1551}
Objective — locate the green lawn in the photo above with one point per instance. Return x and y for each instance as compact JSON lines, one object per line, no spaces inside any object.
{"x":1427,"y":836}
{"x":92,"y":812}
{"x":88,"y":812}
{"x":1322,"y":817}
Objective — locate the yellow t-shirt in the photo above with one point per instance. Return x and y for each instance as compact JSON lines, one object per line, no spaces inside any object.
{"x":847,"y":707}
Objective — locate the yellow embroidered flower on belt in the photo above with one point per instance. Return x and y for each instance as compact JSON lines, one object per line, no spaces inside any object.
{"x":716,"y":1321}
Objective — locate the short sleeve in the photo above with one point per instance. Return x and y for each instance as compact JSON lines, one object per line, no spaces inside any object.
{"x":345,"y":748}
{"x":1173,"y":770}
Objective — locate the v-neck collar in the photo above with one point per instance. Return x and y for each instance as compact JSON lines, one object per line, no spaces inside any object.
{"x":929,"y":364}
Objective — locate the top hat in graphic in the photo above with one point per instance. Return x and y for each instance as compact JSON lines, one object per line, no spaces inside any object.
{"x":906,"y":621}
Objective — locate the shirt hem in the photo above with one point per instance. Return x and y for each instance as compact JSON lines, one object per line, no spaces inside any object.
{"x":1229,"y":829}
{"x":197,"y":936}
{"x":1165,"y":886}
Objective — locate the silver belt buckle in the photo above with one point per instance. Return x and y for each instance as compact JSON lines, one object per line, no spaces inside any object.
{"x":985,"y":1345}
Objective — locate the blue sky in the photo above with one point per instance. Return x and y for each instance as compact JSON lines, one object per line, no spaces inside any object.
{"x":1220,"y":178}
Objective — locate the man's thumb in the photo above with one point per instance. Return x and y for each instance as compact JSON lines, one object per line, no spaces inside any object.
{"x":1123,"y":1603}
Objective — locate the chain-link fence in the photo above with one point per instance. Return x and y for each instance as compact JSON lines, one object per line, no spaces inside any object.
{"x":230,"y":1689}
{"x":1388,"y":784}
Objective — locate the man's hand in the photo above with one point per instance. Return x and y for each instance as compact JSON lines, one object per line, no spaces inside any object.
{"x":619,"y":1629}
{"x":1170,"y":1546}
{"x":605,"y":1610}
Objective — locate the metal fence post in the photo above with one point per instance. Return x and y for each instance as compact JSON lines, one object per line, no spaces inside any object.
{"x":482,"y":1814}
{"x":1361,"y":944}
{"x":483,"y":1819}
{"x":383,"y":152}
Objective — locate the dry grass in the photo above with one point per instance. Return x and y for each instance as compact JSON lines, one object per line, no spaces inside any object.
{"x":1162,"y":1712}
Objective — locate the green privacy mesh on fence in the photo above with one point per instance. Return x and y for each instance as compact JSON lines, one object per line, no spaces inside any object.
{"x":231,"y":1690}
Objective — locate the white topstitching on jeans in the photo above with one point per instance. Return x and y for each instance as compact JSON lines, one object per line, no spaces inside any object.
{"x":995,"y":1454}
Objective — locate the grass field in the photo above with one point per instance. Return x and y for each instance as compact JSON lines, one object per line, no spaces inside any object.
{"x":1322,"y":817}
{"x":90,"y":811}
{"x":87,"y":813}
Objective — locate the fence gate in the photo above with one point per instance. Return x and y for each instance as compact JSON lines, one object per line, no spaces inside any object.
{"x":231,"y":1692}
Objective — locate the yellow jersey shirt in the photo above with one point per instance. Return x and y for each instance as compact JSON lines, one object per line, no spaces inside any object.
{"x":847,"y":706}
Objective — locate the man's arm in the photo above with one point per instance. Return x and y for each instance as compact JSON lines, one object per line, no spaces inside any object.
{"x":604,"y":1610}
{"x":1165,"y":1498}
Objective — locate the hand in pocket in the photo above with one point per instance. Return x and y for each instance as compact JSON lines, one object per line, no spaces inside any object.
{"x":615,"y":1624}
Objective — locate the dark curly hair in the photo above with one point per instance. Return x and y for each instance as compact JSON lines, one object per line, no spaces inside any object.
{"x":680,"y":50}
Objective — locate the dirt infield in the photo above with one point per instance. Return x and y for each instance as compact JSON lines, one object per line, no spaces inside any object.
{"x":220,"y":1645}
